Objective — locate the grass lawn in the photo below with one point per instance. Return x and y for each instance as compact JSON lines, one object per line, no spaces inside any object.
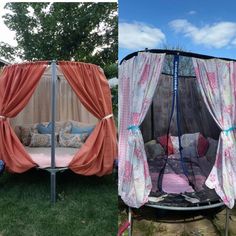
{"x":85,"y":206}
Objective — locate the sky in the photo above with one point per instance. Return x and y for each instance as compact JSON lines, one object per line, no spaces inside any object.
{"x":203,"y":26}
{"x":6,"y":35}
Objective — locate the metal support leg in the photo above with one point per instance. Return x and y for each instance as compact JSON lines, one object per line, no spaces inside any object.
{"x":53,"y":104}
{"x":227,"y":222}
{"x":130,"y":221}
{"x":53,"y":187}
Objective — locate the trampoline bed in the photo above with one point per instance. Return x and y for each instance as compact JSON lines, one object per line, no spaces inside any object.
{"x":42,"y":156}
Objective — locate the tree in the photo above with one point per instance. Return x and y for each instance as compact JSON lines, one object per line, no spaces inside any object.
{"x":64,"y":31}
{"x":185,"y":63}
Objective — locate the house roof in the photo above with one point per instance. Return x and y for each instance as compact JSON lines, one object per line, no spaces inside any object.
{"x":3,"y":62}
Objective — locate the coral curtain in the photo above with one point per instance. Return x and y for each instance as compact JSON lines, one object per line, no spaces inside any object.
{"x":217,"y":82}
{"x":97,"y":155}
{"x":138,"y":78}
{"x":17,"y":84}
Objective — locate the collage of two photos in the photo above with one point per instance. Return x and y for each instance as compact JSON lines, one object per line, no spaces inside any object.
{"x":117,"y":122}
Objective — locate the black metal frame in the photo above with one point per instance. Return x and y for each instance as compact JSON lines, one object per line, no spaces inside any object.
{"x":130,"y":218}
{"x":175,"y":52}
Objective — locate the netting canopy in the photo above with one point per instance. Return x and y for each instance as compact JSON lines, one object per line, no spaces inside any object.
{"x":176,"y":127}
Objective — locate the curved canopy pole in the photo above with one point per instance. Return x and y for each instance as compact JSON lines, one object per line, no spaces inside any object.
{"x":138,"y":78}
{"x":217,"y":82}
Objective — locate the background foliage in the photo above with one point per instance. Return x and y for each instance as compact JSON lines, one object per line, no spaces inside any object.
{"x":64,"y":31}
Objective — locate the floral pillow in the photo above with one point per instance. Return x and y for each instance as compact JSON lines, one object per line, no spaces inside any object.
{"x":68,"y":139}
{"x":40,"y":140}
{"x":72,"y":140}
{"x":25,"y":135}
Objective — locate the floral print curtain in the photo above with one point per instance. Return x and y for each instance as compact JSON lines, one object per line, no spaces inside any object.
{"x":217,"y":82}
{"x":138,"y":78}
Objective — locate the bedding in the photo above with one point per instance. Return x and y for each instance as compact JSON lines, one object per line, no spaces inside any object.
{"x":174,"y":180}
{"x":198,"y":158}
{"x":42,"y":156}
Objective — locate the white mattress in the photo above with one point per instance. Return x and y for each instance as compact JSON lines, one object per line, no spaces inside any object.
{"x":42,"y":156}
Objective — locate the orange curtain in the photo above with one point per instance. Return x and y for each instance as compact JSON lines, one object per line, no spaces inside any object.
{"x":17,"y":84}
{"x":97,"y":155}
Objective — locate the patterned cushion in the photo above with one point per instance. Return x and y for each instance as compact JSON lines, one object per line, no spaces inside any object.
{"x":72,"y":140}
{"x":25,"y":135}
{"x":40,"y":140}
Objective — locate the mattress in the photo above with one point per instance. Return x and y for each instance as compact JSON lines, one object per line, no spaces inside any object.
{"x":42,"y":156}
{"x":174,"y":179}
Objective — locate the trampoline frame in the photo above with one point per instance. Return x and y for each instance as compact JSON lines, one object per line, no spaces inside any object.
{"x":198,"y":208}
{"x":172,"y":208}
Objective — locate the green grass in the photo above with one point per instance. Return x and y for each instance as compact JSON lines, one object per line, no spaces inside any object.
{"x":86,"y":206}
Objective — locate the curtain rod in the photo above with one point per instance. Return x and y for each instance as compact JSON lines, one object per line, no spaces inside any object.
{"x":175,"y":52}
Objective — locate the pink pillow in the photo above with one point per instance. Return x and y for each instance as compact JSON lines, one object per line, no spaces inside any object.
{"x":173,"y":183}
{"x":202,"y":145}
{"x":163,"y":141}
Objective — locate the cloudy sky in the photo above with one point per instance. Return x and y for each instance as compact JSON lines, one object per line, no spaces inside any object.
{"x":6,"y":35}
{"x":202,"y":26}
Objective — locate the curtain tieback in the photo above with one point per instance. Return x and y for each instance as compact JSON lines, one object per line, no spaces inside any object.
{"x":133,"y":127}
{"x":107,"y":117}
{"x":3,"y":117}
{"x":229,"y":129}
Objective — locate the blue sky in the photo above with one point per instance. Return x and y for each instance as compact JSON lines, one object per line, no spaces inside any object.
{"x":205,"y":27}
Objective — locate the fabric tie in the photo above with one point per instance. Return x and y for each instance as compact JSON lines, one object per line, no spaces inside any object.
{"x":133,"y":127}
{"x":107,"y":117}
{"x":3,"y":117}
{"x":229,"y":129}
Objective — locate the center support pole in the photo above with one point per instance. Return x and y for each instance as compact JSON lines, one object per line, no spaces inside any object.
{"x":53,"y":106}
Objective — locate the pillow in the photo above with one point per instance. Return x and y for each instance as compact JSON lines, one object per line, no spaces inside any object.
{"x":211,"y":152}
{"x":40,"y":140}
{"x":25,"y":135}
{"x":43,"y":129}
{"x":80,"y":130}
{"x":163,"y":141}
{"x":17,"y":130}
{"x":58,"y":126}
{"x":153,"y":149}
{"x":72,"y":140}
{"x":175,"y":143}
{"x":202,"y":145}
{"x":189,"y":145}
